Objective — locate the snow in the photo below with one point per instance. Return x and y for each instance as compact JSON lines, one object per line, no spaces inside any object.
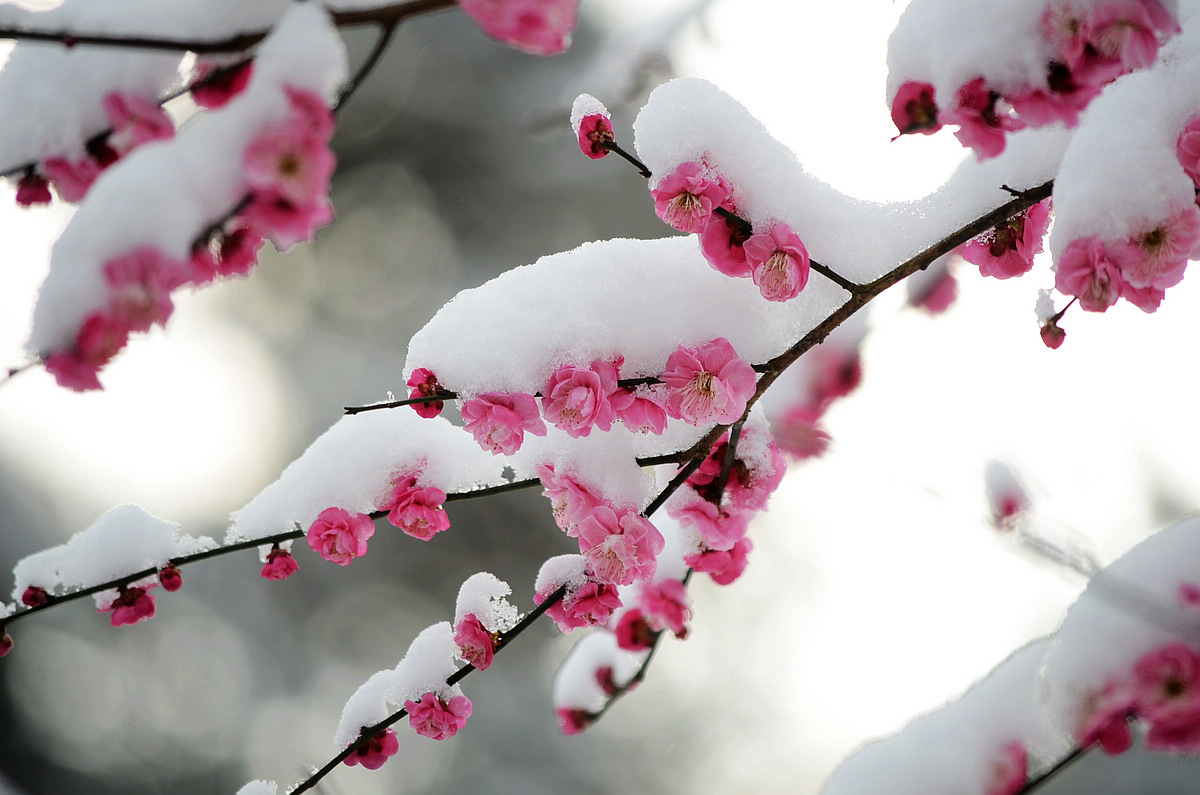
{"x":604,"y":462}
{"x":352,"y":466}
{"x":483,"y":595}
{"x":1132,"y":607}
{"x":259,"y":787}
{"x":561,"y":570}
{"x":575,"y":684}
{"x":1120,"y":174}
{"x":182,"y":185}
{"x":690,"y":119}
{"x":125,"y":540}
{"x":367,"y":707}
{"x":953,"y":748}
{"x":586,"y":105}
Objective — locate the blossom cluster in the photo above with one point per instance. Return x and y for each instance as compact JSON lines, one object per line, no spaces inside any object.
{"x":1085,"y":48}
{"x":285,"y":169}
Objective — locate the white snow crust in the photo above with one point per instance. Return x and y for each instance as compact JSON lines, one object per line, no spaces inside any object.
{"x":602,"y":461}
{"x":352,"y":465}
{"x":561,"y":570}
{"x":165,"y":193}
{"x":485,"y":595}
{"x":259,"y":787}
{"x":585,"y":105}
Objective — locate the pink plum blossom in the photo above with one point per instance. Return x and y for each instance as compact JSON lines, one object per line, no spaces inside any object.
{"x":1009,"y":249}
{"x":641,"y":408}
{"x":437,"y":719}
{"x":914,"y":109}
{"x":375,"y":751}
{"x":1009,"y":770}
{"x":139,"y":287}
{"x":32,"y":188}
{"x":475,"y":644}
{"x":238,"y":251}
{"x":6,"y":643}
{"x":416,"y":511}
{"x":499,"y":422}
{"x":424,"y":383}
{"x":1087,"y":269}
{"x":584,"y":606}
{"x":570,"y":720}
{"x":982,"y":122}
{"x":34,"y":595}
{"x":290,"y":162}
{"x":685,"y":198}
{"x":723,"y":244}
{"x":216,"y":85}
{"x":280,"y":564}
{"x":310,"y":112}
{"x":1158,"y":257}
{"x":748,"y":486}
{"x":1166,"y":685}
{"x":934,"y":290}
{"x":778,"y":262}
{"x":570,"y":500}
{"x":1107,"y":721}
{"x":1065,"y":96}
{"x":71,"y":178}
{"x":170,"y":578}
{"x":721,"y":528}
{"x":708,"y":384}
{"x":799,"y":433}
{"x":666,"y":606}
{"x":1052,"y":335}
{"x":1189,"y":594}
{"x":606,"y":678}
{"x":284,"y":222}
{"x":574,"y":399}
{"x":633,"y":632}
{"x":133,"y":604}
{"x":723,"y":566}
{"x":538,"y":27}
{"x":135,"y":121}
{"x":595,"y":133}
{"x":1187,"y":149}
{"x":339,"y":536}
{"x":1126,"y":31}
{"x":99,"y":339}
{"x":620,"y":547}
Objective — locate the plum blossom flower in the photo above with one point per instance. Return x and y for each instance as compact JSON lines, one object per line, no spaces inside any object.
{"x":499,"y":422}
{"x":99,"y":339}
{"x":339,"y":536}
{"x":583,"y":606}
{"x":437,"y":719}
{"x":571,"y":720}
{"x":595,"y":131}
{"x":32,"y":188}
{"x":375,"y":751}
{"x":170,"y":578}
{"x":139,"y":287}
{"x":6,"y":643}
{"x":475,"y":644}
{"x":1009,"y":770}
{"x":620,"y":547}
{"x":666,"y":606}
{"x":1088,"y":269}
{"x":416,"y":511}
{"x":914,"y":109}
{"x":570,"y":500}
{"x":1166,"y":684}
{"x":280,"y":564}
{"x":215,"y":85}
{"x":1126,"y":31}
{"x":284,"y":222}
{"x":1052,"y":335}
{"x":1009,"y":249}
{"x":538,"y":27}
{"x":721,"y":528}
{"x":685,"y":198}
{"x":778,"y":262}
{"x":72,"y":178}
{"x":424,"y":383}
{"x":135,"y":121}
{"x":634,"y":632}
{"x":1189,"y":594}
{"x":723,"y":566}
{"x":800,"y":434}
{"x":723,"y":244}
{"x":1158,"y":257}
{"x":574,"y":399}
{"x":1107,"y":722}
{"x":1187,"y":149}
{"x":34,"y":595}
{"x":290,"y":162}
{"x":708,"y":384}
{"x":641,"y":408}
{"x":133,"y":604}
{"x":934,"y":289}
{"x":982,"y":123}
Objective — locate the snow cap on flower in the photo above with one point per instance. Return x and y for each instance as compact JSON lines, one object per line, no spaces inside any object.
{"x":914,"y":109}
{"x":592,"y":126}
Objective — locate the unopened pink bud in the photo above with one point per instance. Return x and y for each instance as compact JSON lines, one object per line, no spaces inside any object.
{"x":34,"y":596}
{"x":1052,"y":335}
{"x":171,"y":578}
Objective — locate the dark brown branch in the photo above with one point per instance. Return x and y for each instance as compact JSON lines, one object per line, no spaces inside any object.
{"x":448,"y":395}
{"x":1037,"y":781}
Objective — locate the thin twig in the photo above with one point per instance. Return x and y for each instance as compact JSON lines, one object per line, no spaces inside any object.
{"x":1045,"y":776}
{"x":381,"y":43}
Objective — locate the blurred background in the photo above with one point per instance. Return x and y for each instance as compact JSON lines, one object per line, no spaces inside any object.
{"x":877,"y":589}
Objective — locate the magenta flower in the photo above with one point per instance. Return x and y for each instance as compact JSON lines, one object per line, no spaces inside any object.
{"x":499,"y":422}
{"x":982,"y":124}
{"x":34,"y":595}
{"x":595,"y":130}
{"x":1166,"y":686}
{"x":135,"y":121}
{"x":32,"y":188}
{"x":280,"y":564}
{"x":417,"y":511}
{"x":424,"y":383}
{"x":914,"y":109}
{"x":590,"y":604}
{"x":570,"y":500}
{"x":1158,"y":257}
{"x":216,"y":85}
{"x":375,"y":751}
{"x":475,"y":644}
{"x":133,"y":604}
{"x":339,"y":536}
{"x":570,"y":720}
{"x":708,"y":384}
{"x":99,"y":339}
{"x":171,"y":578}
{"x":575,"y":399}
{"x":1009,"y":771}
{"x":1126,"y":31}
{"x":633,"y":632}
{"x":6,"y":643}
{"x":139,"y":287}
{"x":1187,"y":149}
{"x":1087,"y":269}
{"x":1009,"y":249}
{"x":436,"y":719}
{"x":666,"y":606}
{"x":685,"y":198}
{"x":310,"y":112}
{"x":724,"y":566}
{"x":72,"y":178}
{"x":642,"y":408}
{"x":1108,"y":720}
{"x":284,"y":222}
{"x":538,"y":27}
{"x":620,"y":547}
{"x":721,"y":528}
{"x":778,"y":262}
{"x":288,"y":161}
{"x":722,"y":243}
